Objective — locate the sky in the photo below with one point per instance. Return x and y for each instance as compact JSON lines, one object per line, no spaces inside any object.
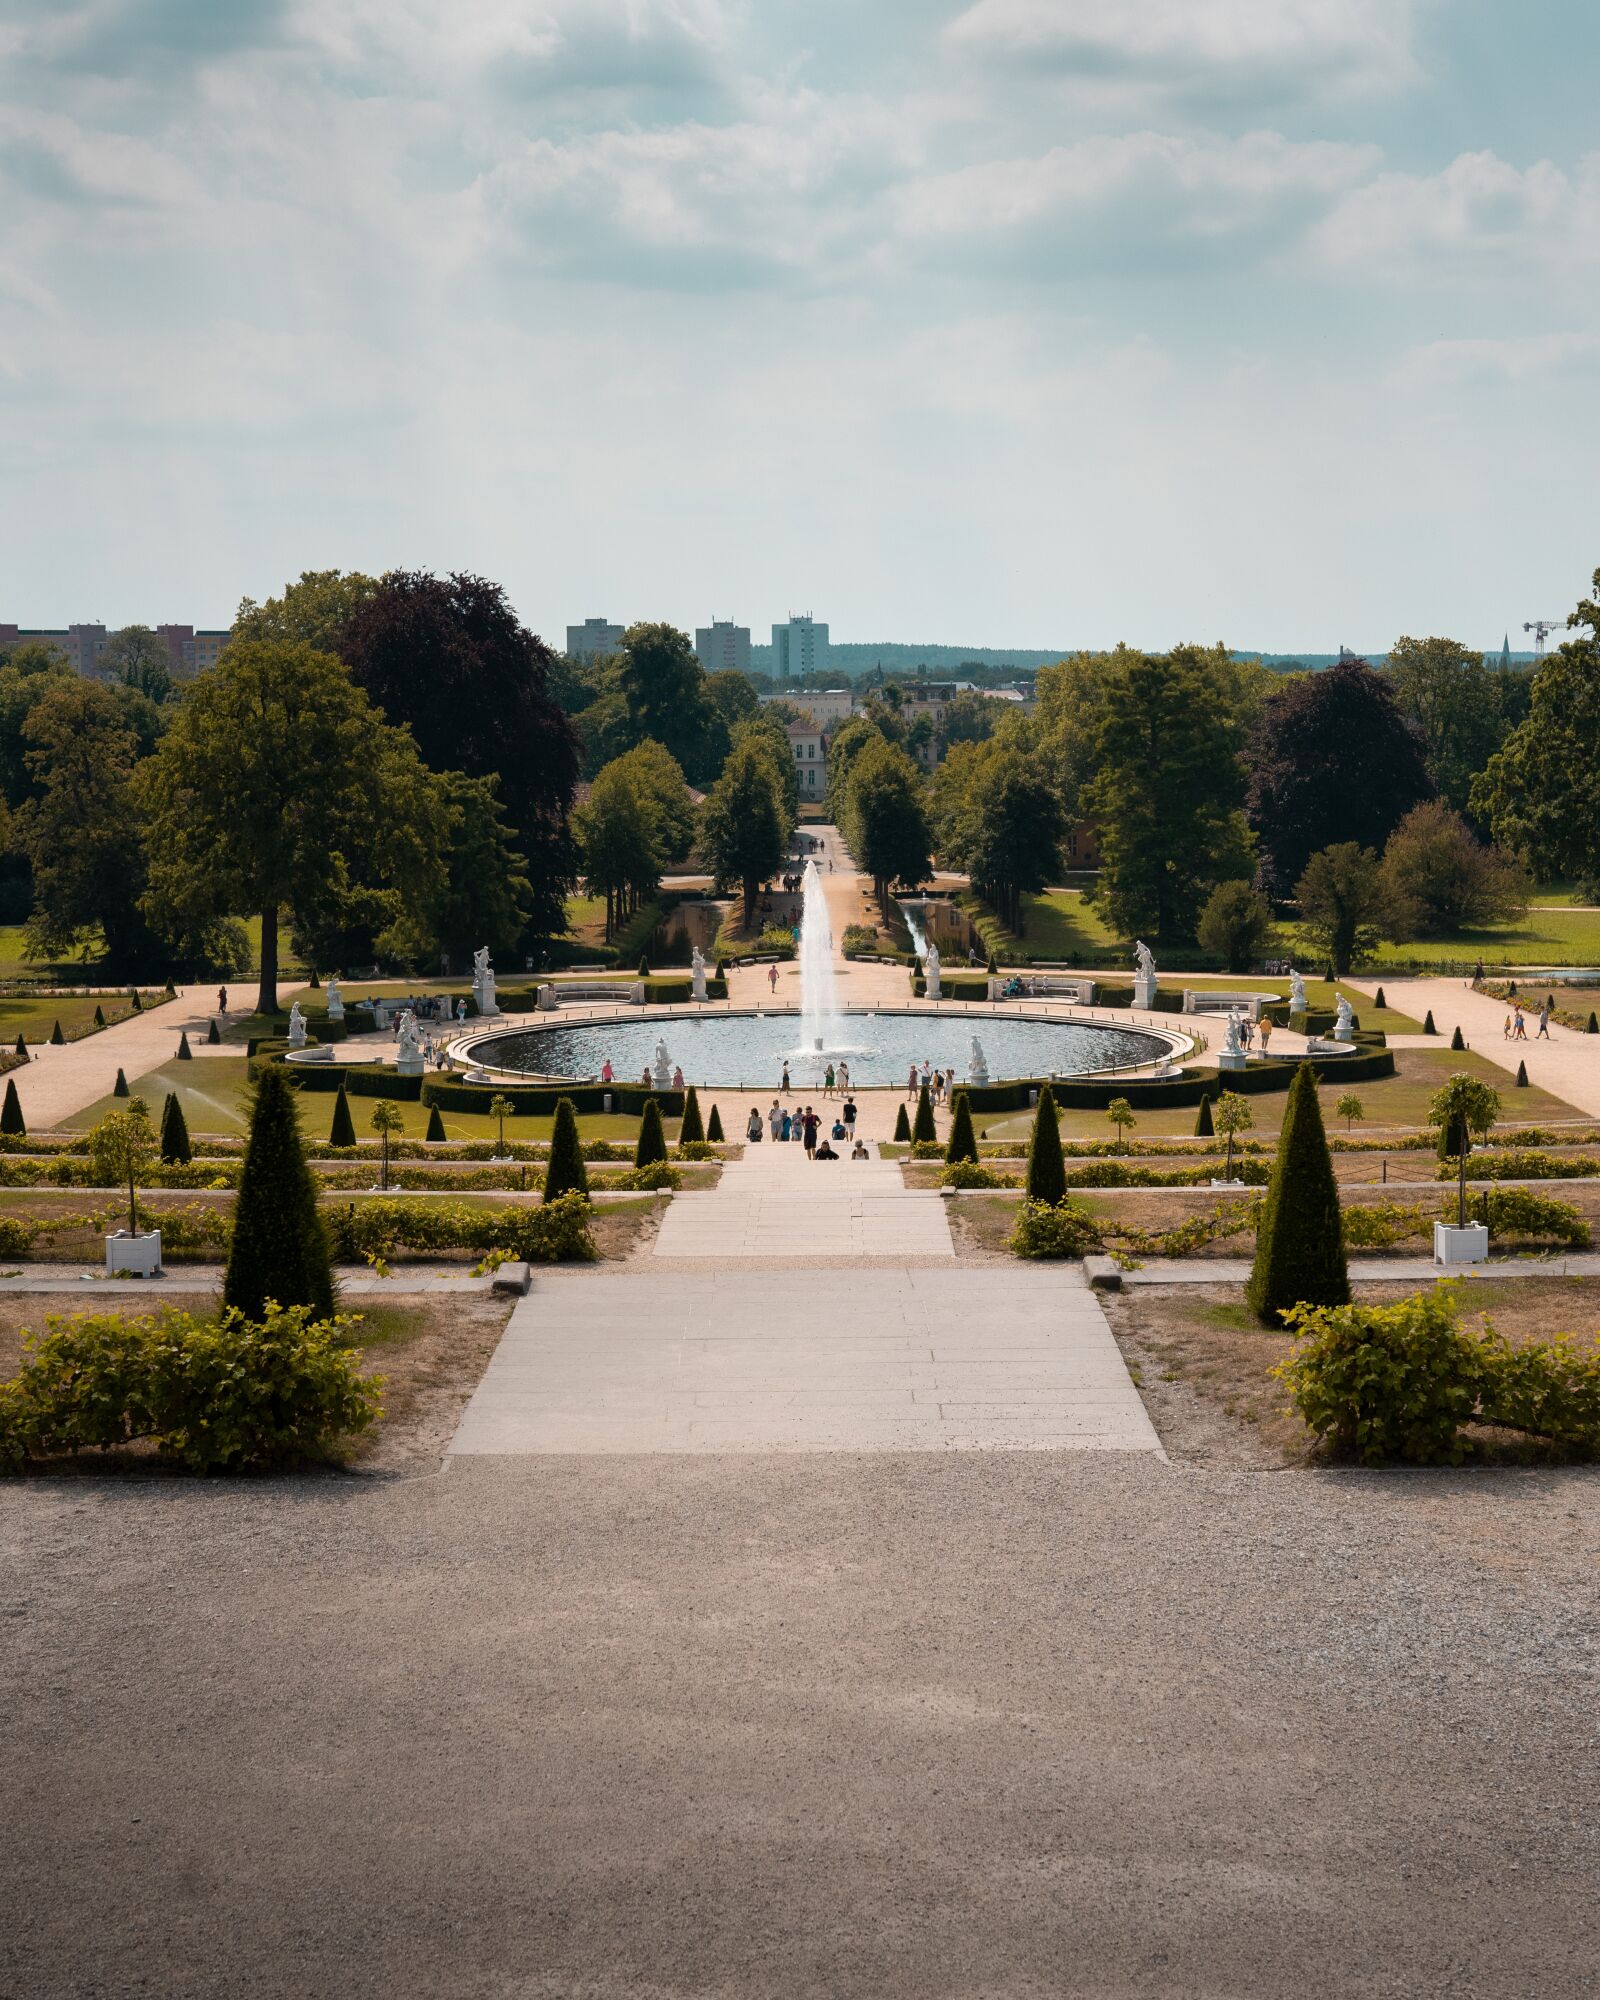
{"x":1005,"y":322}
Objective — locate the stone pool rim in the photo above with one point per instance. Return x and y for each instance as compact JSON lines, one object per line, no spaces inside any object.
{"x":470,"y":1052}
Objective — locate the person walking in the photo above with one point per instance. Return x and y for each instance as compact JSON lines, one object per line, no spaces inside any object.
{"x":222,"y":999}
{"x":810,"y":1122}
{"x":772,"y":979}
{"x":784,"y":1085}
{"x":850,"y":1116}
{"x":782,"y":1131}
{"x":827,"y":1081}
{"x":1520,"y":1032}
{"x":1544,"y":1022}
{"x":844,"y":1076}
{"x":911,"y":1081}
{"x":1266,"y":1035}
{"x":774,"y":1118}
{"x":752,"y":1131}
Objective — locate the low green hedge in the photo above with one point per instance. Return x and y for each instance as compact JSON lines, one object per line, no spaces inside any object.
{"x":1260,"y":1079}
{"x":1514,"y":1166}
{"x":556,"y":1232}
{"x":539,"y":1099}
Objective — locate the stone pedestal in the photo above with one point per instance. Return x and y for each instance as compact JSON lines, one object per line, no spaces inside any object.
{"x":548,"y":1004}
{"x":410,"y":1065}
{"x":636,"y":994}
{"x":138,"y":1255}
{"x":1232,"y":1059}
{"x":931,"y":982}
{"x":1460,"y":1246}
{"x":1144,"y":992}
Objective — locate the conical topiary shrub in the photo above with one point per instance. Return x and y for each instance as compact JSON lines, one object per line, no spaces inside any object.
{"x":1522,"y":1080}
{"x":1299,"y":1239}
{"x":992,"y":968}
{"x":99,"y":1015}
{"x":56,"y":1036}
{"x":1378,"y":999}
{"x":714,"y":1127}
{"x":652,"y":1144}
{"x":1427,"y":1027}
{"x":435,"y":1131}
{"x":22,"y":1046}
{"x":12,"y":1122}
{"x":962,"y":1144}
{"x":1457,"y":1039}
{"x":175,"y":1150}
{"x":185,"y":1053}
{"x":342,"y":1131}
{"x":214,"y":1035}
{"x":566,"y":1173}
{"x":902,"y":1127}
{"x":644,"y":968}
{"x":691,"y":1132}
{"x":1594,"y":1026}
{"x":280,"y":1250}
{"x":924,"y":1132}
{"x":1047,"y":1171}
{"x":138,"y":1004}
{"x":120,"y":1087}
{"x":1204,"y":1124}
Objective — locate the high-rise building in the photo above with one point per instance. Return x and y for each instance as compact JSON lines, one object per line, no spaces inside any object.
{"x":189,"y":651}
{"x":593,"y":639}
{"x":723,"y":647}
{"x":799,"y":647}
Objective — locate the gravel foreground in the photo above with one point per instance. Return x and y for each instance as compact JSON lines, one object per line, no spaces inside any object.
{"x":977,"y":1725}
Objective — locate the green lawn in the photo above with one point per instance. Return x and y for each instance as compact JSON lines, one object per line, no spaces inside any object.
{"x":1542,"y":937}
{"x":211,"y":1090}
{"x":1057,"y":925}
{"x":35,"y":1015}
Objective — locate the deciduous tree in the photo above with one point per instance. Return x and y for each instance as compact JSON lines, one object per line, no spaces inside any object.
{"x":1343,"y":908}
{"x":1438,"y":879}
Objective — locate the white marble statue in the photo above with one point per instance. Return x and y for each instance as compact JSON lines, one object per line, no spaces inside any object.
{"x":297,"y":1027}
{"x":408,"y":1041}
{"x":1233,"y":1041}
{"x":1144,"y":961}
{"x":697,"y":971}
{"x":483,"y":982}
{"x":1344,"y":1026}
{"x":1297,"y":993}
{"x":335,"y":998}
{"x":661,"y":1073}
{"x":977,"y":1067}
{"x":931,"y":970}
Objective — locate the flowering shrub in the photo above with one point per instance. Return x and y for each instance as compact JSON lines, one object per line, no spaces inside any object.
{"x":1054,"y":1229}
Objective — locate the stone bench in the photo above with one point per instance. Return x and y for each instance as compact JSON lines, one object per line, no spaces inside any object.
{"x":1056,"y":986}
{"x":1210,"y":1001}
{"x":617,"y":993}
{"x":1104,"y":1274}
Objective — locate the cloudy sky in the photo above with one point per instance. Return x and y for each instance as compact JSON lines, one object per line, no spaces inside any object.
{"x":1024,"y":322}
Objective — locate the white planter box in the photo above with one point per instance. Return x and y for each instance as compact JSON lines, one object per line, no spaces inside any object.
{"x":1460,"y":1246}
{"x":140,"y":1256}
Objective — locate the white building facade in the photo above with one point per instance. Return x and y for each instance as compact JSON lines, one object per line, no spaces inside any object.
{"x":825,"y":706}
{"x":809,"y":748}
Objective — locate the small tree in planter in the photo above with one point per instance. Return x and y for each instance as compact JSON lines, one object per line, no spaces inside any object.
{"x":1349,"y":1109}
{"x":1233,"y":1115}
{"x":1465,"y":1107}
{"x":386,"y":1121}
{"x":500,"y":1109}
{"x":924,"y":1132}
{"x":1047,"y":1170}
{"x":1119,"y":1114}
{"x":962,"y":1144}
{"x":118,"y":1146}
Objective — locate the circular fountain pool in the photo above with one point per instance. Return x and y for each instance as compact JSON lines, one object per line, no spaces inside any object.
{"x":750,"y":1050}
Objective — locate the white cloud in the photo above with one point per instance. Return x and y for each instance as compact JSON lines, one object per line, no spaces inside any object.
{"x":1453,"y":364}
{"x":1480,"y":211}
{"x":1130,"y":195}
{"x":1222,"y":47}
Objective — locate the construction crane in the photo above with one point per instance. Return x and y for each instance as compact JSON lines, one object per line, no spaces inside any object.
{"x":1541,"y":628}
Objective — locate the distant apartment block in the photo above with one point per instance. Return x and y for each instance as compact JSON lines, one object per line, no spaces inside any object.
{"x":593,"y":639}
{"x":189,"y":651}
{"x":723,"y":647}
{"x":799,"y":647}
{"x":826,"y":706}
{"x":810,"y":758}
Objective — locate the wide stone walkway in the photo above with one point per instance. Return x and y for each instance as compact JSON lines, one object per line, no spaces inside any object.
{"x":965,"y":1359}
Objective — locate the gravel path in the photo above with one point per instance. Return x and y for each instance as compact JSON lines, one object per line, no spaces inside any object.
{"x":971,"y":1725}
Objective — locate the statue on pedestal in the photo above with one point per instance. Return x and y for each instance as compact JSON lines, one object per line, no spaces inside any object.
{"x":1144,"y":975}
{"x":977,"y":1067}
{"x":931,"y":970}
{"x":697,"y":971}
{"x":1344,"y":1026}
{"x":408,"y":1060}
{"x":335,"y":998}
{"x":297,"y":1027}
{"x":483,"y":982}
{"x":1232,"y":1055}
{"x":661,"y":1073}
{"x":1297,"y":993}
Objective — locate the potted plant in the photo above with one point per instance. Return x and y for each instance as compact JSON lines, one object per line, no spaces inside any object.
{"x":1465,"y":1107}
{"x":118,"y":1147}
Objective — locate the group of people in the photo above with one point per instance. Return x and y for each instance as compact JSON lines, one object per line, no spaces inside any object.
{"x":938,"y":1082}
{"x":833,"y":1078}
{"x":1249,"y":1029}
{"x":1516,"y":1027}
{"x":804,"y":1127}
